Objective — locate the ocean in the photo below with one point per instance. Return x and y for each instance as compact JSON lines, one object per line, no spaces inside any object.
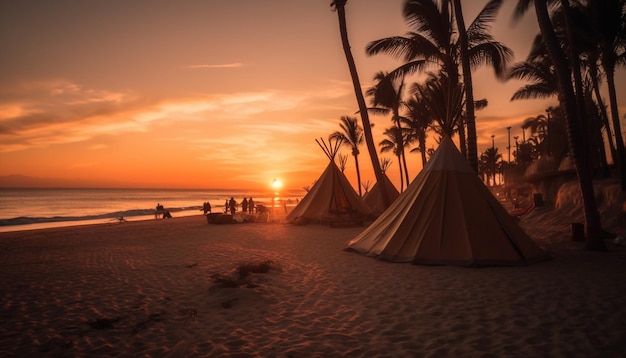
{"x":35,"y":208}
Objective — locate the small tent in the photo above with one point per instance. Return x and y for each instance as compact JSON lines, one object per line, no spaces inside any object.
{"x":332,"y":198}
{"x":447,"y":216}
{"x":374,"y":199}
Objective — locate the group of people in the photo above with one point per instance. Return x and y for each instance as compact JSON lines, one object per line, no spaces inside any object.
{"x":232,"y":206}
{"x":206,"y":207}
{"x":160,"y":211}
{"x":247,"y":206}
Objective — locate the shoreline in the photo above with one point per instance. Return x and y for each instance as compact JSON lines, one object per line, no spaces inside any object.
{"x":108,"y":221}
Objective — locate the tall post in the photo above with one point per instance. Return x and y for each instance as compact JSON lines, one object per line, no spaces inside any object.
{"x":509,"y":146}
{"x":516,"y":148}
{"x":547,"y":135}
{"x":493,"y":164}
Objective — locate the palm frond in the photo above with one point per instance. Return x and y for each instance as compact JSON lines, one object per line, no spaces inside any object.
{"x":379,"y":111}
{"x":491,"y":53}
{"x":429,"y":17}
{"x":487,"y":15}
{"x":534,"y":91}
{"x":520,"y":9}
{"x":395,"y":46}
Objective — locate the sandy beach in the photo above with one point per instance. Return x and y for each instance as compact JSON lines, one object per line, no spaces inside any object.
{"x":150,"y":288}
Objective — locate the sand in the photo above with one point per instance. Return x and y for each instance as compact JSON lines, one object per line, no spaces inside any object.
{"x":148,"y":288}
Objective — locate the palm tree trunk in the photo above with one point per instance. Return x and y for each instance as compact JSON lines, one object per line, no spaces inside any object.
{"x":472,"y":151}
{"x":423,"y":150}
{"x":620,"y":158}
{"x":401,"y":178}
{"x":595,"y":146}
{"x":367,"y":127}
{"x":358,"y":173}
{"x":406,"y":170}
{"x":593,"y":74}
{"x":594,"y":239}
{"x":400,"y":144}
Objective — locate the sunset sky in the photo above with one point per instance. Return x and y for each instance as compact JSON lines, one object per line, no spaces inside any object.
{"x":207,"y":94}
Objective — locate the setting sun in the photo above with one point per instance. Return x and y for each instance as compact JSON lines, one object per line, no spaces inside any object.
{"x":277,"y":184}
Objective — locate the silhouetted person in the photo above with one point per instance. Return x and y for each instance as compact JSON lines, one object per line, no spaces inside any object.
{"x":206,"y":207}
{"x":250,"y":206}
{"x":159,"y":211}
{"x":232,"y":204}
{"x":244,"y":205}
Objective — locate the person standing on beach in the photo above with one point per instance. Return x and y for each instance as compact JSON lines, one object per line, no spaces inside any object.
{"x":244,"y":205}
{"x":250,"y":206}
{"x":226,"y":206}
{"x":232,"y":204}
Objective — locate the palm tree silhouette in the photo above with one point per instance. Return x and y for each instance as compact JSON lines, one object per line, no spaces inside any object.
{"x":351,"y":135}
{"x":419,"y":120}
{"x":340,"y":7}
{"x":490,"y":158}
{"x":443,"y":98}
{"x":608,"y":18}
{"x":563,"y":72}
{"x":538,"y":69}
{"x":387,"y":97}
{"x":432,"y":41}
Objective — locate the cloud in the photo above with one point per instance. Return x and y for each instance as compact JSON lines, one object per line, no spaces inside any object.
{"x":45,"y":113}
{"x":38,"y":114}
{"x":224,"y":65}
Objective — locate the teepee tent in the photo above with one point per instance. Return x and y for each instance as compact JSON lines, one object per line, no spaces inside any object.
{"x":373,"y":198}
{"x":331,"y":198}
{"x":447,"y":216}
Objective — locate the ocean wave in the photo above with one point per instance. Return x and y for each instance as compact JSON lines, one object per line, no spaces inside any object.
{"x":25,"y":220}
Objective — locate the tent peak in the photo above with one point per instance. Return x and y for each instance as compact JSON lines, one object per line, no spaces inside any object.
{"x":331,"y":149}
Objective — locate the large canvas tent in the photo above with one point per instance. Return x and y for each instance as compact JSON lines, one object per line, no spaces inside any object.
{"x":331,"y":199}
{"x":447,"y":216}
{"x":374,"y":198}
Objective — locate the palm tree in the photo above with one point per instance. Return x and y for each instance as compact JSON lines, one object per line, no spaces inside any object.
{"x":470,"y":116}
{"x":538,"y":69}
{"x":583,"y":169}
{"x":538,"y":128}
{"x":418,"y":120}
{"x":609,"y":21}
{"x":432,"y":41}
{"x":595,"y":78}
{"x":387,"y":97}
{"x":340,"y":7}
{"x":351,"y":135}
{"x":490,"y":158}
{"x":392,"y":144}
{"x":443,"y":99}
{"x":526,"y":153}
{"x":588,"y":38}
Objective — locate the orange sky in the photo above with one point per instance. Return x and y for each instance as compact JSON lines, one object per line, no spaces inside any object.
{"x":205,"y":94}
